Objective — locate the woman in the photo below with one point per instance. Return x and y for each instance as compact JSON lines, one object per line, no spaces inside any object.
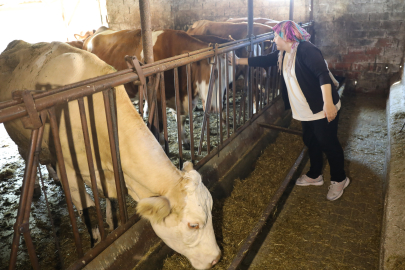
{"x":307,"y":90}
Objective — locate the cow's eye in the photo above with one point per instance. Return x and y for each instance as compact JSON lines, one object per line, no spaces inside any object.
{"x":193,"y":226}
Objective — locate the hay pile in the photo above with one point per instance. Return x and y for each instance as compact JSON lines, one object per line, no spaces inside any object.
{"x":235,"y":216}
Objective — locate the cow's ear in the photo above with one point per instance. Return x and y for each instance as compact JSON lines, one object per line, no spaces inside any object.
{"x":187,"y":166}
{"x":155,"y":209}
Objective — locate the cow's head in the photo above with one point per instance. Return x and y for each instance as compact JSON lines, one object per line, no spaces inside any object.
{"x":206,"y":75}
{"x":187,"y":229}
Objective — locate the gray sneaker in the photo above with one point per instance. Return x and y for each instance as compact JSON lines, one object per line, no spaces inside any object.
{"x":336,"y":189}
{"x":304,"y":180}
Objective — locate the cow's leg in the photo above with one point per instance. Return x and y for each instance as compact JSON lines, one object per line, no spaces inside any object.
{"x":52,"y":174}
{"x":84,"y":204}
{"x":112,"y":213}
{"x":37,"y":188}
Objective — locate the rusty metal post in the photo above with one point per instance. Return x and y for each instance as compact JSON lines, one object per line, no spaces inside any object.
{"x":234,"y":90}
{"x":23,"y":200}
{"x":291,"y":18}
{"x":227,"y":94}
{"x":179,"y":127}
{"x":90,"y":163}
{"x":219,"y":99}
{"x":311,"y":10}
{"x":115,"y":156}
{"x":190,"y":110}
{"x":250,"y":18}
{"x":206,"y":117}
{"x":147,"y":43}
{"x":164,"y":115}
{"x":64,"y":180}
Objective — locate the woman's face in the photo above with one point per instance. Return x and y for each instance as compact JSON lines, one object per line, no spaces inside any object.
{"x":282,"y":45}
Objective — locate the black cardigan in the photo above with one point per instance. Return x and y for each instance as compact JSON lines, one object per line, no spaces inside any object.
{"x":311,"y":72}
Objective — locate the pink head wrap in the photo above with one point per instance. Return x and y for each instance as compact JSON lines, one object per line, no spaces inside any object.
{"x":291,"y":32}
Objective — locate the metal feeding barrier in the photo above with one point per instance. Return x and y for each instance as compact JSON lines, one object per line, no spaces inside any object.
{"x":35,"y":107}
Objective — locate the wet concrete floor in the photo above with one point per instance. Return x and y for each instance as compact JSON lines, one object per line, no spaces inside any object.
{"x":314,"y":233}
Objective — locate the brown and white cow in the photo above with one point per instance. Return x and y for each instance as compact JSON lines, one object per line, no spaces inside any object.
{"x":176,"y":202}
{"x":226,"y":29}
{"x":235,"y":31}
{"x":112,"y":46}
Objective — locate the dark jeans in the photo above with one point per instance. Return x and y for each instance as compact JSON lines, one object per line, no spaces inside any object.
{"x":320,"y":136}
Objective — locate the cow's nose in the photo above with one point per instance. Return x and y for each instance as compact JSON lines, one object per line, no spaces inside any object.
{"x":214,"y":262}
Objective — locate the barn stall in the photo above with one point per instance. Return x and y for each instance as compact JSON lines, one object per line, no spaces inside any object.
{"x":185,"y":14}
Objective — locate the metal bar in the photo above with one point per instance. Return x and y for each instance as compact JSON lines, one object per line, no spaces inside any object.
{"x":100,"y":247}
{"x":267,"y":213}
{"x":291,"y":17}
{"x":164,"y":115}
{"x":114,"y":148}
{"x":267,"y":90}
{"x":179,"y":127}
{"x":261,"y":79}
{"x":227,"y":95}
{"x":292,"y":131}
{"x":152,"y":121}
{"x":234,"y":90}
{"x":219,"y":97}
{"x":250,"y":18}
{"x":114,"y":112}
{"x":24,"y":227}
{"x":311,"y":10}
{"x":147,"y":44}
{"x":64,"y":180}
{"x":207,"y":108}
{"x":31,"y":249}
{"x":208,"y":136}
{"x":190,"y":110}
{"x":91,"y":166}
{"x":250,"y":91}
{"x":23,"y":199}
{"x":146,"y":27}
{"x":257,"y":94}
{"x":55,"y":97}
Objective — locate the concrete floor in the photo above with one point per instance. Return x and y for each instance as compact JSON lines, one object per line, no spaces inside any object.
{"x":314,"y":233}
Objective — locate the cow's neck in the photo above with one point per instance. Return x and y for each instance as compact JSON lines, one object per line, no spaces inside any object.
{"x":150,"y":171}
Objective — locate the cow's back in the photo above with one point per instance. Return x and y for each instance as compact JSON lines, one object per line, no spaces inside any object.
{"x":112,"y":46}
{"x":226,"y":29}
{"x":42,"y":66}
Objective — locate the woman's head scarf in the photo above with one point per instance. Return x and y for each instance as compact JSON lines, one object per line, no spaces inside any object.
{"x":291,"y":32}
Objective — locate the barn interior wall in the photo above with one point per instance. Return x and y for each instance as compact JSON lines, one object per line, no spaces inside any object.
{"x":362,"y":40}
{"x":186,"y":12}
{"x":124,"y":14}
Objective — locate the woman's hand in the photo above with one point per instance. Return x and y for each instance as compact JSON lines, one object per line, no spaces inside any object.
{"x":329,"y":108}
{"x":330,"y":111}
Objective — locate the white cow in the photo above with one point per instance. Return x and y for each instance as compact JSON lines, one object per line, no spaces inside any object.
{"x":177,"y":203}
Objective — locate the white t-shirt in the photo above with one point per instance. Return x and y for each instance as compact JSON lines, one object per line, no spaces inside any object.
{"x":299,"y":105}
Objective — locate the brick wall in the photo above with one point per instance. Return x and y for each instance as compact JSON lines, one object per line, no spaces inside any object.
{"x":362,"y":40}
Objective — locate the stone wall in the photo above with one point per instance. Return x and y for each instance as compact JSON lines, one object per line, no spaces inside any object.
{"x":362,"y":40}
